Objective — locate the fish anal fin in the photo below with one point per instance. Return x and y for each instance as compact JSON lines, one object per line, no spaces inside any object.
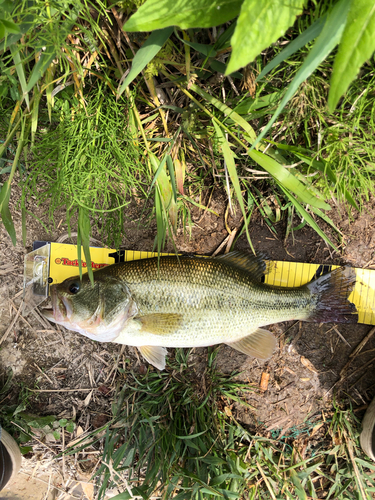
{"x":259,"y":344}
{"x":160,"y":324}
{"x":154,"y":355}
{"x":248,"y":262}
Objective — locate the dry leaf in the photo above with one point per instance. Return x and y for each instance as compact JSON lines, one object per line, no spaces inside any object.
{"x":88,"y":398}
{"x":88,"y":490}
{"x":228,"y":411}
{"x":316,"y":428}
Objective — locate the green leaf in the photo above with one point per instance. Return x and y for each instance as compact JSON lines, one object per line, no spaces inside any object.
{"x":228,"y":156}
{"x":305,"y":215}
{"x":326,"y":42}
{"x":40,"y":67}
{"x":303,"y":39}
{"x":25,"y":449}
{"x":56,"y":435}
{"x":269,"y":20}
{"x":228,"y":112}
{"x":145,"y":54}
{"x":63,"y":422}
{"x":287,"y":179}
{"x":123,"y":496}
{"x":10,"y":26}
{"x":203,"y":48}
{"x":70,"y":426}
{"x":157,"y":14}
{"x":20,"y":72}
{"x":357,"y":45}
{"x":84,"y":230}
{"x":5,"y":212}
{"x":250,"y":104}
{"x":299,"y":490}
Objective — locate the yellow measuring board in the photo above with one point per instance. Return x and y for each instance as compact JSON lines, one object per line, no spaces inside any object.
{"x":64,"y":264}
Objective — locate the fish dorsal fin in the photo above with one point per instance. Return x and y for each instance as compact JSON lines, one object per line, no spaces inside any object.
{"x":154,"y":355}
{"x":259,"y":344}
{"x":248,"y":262}
{"x":160,"y":323}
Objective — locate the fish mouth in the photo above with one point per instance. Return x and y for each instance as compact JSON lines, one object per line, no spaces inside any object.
{"x":60,"y":310}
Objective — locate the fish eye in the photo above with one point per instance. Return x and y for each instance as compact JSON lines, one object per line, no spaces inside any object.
{"x":74,"y":288}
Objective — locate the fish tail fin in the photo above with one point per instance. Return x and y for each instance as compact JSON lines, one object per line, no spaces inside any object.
{"x":330,"y":294}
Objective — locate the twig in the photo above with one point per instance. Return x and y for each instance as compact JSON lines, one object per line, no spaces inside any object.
{"x":34,"y":437}
{"x":5,"y":336}
{"x":42,"y":372}
{"x":357,"y":350}
{"x":341,"y":336}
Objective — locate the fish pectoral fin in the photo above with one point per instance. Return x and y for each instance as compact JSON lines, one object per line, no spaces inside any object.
{"x":154,"y":355}
{"x":160,"y":324}
{"x":259,"y":344}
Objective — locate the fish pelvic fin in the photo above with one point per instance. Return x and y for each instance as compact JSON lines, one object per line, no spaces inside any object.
{"x":160,"y":324}
{"x":259,"y":344}
{"x":330,"y":293}
{"x":154,"y":355}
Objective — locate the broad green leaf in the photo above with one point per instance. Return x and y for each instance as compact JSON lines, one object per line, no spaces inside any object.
{"x":303,"y":39}
{"x":157,"y":14}
{"x":145,"y":54}
{"x":229,"y":159}
{"x":325,"y":43}
{"x":287,"y":179}
{"x":259,"y":24}
{"x":10,"y":26}
{"x":5,"y":212}
{"x":356,"y":46}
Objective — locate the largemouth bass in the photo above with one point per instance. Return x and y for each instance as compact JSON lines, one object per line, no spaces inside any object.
{"x":194,"y":302}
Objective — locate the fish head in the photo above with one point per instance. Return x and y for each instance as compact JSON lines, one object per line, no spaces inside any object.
{"x":98,"y":310}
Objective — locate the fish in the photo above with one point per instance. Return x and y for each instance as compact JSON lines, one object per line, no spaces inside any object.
{"x":192,"y":301}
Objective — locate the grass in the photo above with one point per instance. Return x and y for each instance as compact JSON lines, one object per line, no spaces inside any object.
{"x":17,"y":418}
{"x":88,"y":161}
{"x":173,"y":435}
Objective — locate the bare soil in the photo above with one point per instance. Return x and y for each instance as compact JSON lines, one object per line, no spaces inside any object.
{"x":73,"y":377}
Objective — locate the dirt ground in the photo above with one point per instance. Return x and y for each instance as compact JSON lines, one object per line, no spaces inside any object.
{"x":73,"y":377}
